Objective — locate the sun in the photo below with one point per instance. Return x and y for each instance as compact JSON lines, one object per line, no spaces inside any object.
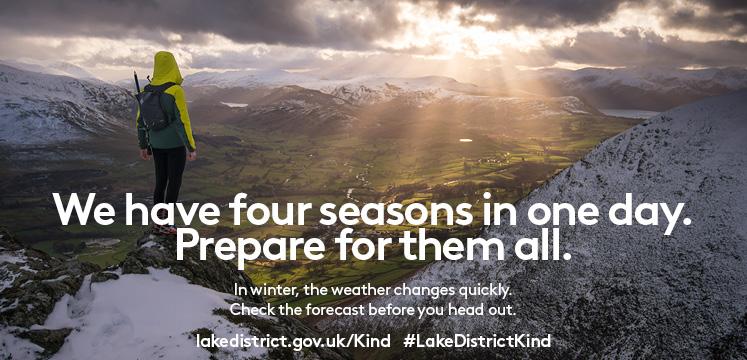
{"x":456,"y":32}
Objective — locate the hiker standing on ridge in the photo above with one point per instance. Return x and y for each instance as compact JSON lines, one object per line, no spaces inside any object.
{"x":169,"y":136}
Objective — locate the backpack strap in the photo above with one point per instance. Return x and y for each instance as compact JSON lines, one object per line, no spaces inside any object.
{"x":158,"y":88}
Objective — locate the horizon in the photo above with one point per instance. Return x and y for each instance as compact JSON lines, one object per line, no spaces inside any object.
{"x":315,"y":74}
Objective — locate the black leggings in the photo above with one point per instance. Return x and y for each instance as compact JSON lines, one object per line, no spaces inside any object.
{"x":169,"y":169}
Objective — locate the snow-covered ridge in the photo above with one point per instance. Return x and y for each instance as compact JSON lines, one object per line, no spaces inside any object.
{"x":51,"y":67}
{"x":628,"y":291}
{"x":252,"y":79}
{"x":43,"y":107}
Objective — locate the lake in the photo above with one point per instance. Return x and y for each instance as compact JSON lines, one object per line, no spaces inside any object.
{"x":629,"y":113}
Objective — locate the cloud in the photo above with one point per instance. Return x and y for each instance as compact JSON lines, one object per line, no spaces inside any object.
{"x":541,"y":13}
{"x":319,"y":34}
{"x":636,"y":47}
{"x":718,"y":16}
{"x":336,"y":24}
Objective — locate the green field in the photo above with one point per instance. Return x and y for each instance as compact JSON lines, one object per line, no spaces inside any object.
{"x":282,"y":167}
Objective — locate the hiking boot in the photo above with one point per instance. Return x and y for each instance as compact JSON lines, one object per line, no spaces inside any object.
{"x":167,"y":230}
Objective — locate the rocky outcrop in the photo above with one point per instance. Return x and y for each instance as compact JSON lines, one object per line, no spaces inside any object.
{"x":33,"y":282}
{"x":38,"y":288}
{"x":212,"y":273}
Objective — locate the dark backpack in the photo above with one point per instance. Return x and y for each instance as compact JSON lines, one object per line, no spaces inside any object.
{"x":149,"y":102}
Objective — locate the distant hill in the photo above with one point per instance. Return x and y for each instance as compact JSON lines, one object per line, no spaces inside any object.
{"x":643,"y":88}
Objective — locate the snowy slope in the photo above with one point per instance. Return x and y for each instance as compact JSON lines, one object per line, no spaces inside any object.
{"x":137,"y":316}
{"x":47,"y":105}
{"x":629,"y":291}
{"x":150,"y":306}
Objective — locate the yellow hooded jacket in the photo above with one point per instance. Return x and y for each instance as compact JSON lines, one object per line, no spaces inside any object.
{"x":179,"y":132}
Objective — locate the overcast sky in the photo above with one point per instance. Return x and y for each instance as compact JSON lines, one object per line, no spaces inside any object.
{"x":446,"y":37}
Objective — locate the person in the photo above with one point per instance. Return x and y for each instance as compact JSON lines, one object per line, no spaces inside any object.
{"x":171,"y":146}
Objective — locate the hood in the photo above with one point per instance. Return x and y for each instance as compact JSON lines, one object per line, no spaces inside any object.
{"x":165,"y":69}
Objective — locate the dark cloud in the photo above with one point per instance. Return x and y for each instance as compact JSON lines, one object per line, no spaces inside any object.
{"x":541,"y":13}
{"x":720,"y":16}
{"x":725,"y":5}
{"x":643,"y":48}
{"x":289,"y":22}
{"x":334,"y":24}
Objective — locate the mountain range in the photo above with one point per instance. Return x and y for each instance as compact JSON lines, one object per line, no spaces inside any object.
{"x":643,"y":88}
{"x":53,"y":102}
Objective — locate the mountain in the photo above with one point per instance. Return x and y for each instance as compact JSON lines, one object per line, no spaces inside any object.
{"x":642,"y":88}
{"x":43,"y":106}
{"x":279,"y":101}
{"x":149,"y":306}
{"x":52,"y":67}
{"x":627,"y":291}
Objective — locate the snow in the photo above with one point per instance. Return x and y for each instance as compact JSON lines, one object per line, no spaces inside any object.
{"x":15,"y":348}
{"x":141,"y":317}
{"x":154,"y":244}
{"x":250,"y":79}
{"x":230,"y":104}
{"x":374,"y":89}
{"x":36,"y":101}
{"x":13,"y":257}
{"x":7,"y":274}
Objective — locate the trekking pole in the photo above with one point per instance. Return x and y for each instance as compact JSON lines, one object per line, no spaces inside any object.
{"x":147,"y":134}
{"x":137,"y":84}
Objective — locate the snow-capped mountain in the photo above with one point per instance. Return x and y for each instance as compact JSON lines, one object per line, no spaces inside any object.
{"x":627,"y":291}
{"x":273,"y":97}
{"x":52,"y":67}
{"x":642,"y":88}
{"x":633,"y":88}
{"x":45,"y":104}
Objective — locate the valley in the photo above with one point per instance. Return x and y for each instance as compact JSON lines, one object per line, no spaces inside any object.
{"x":285,"y":167}
{"x":365,"y":140}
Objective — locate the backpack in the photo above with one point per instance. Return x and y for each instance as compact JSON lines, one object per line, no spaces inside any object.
{"x":149,"y":102}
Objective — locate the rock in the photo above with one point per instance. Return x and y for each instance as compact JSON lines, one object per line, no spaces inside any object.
{"x":35,"y":281}
{"x":50,"y":340}
{"x":103,"y":276}
{"x":160,"y":252}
